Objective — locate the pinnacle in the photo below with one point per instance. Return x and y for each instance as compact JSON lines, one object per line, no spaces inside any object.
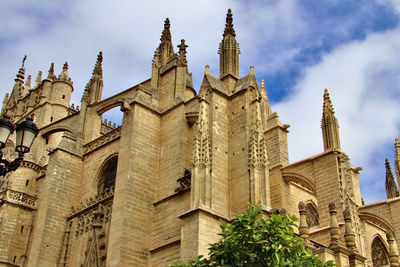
{"x":397,"y":149}
{"x":98,"y":68}
{"x":166,"y":34}
{"x":263,"y":90}
{"x":229,"y":25}
{"x":327,"y":102}
{"x":51,"y":72}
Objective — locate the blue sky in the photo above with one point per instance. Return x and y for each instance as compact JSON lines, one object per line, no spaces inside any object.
{"x":298,"y":48}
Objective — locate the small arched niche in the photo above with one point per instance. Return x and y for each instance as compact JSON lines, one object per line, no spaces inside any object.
{"x":379,"y":253}
{"x":107,"y":174}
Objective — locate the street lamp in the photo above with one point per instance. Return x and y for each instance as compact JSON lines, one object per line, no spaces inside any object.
{"x":26,"y":133}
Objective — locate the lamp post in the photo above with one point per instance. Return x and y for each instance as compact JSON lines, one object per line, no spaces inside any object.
{"x":26,"y":133}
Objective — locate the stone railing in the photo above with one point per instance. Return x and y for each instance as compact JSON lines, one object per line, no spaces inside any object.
{"x":18,"y":198}
{"x":102,"y":140}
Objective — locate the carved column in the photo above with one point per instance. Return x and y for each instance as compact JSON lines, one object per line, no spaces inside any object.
{"x":349,"y":235}
{"x":334,"y":229}
{"x":304,"y":231}
{"x":393,"y":253}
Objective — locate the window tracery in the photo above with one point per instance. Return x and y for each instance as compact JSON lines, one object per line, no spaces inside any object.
{"x":379,"y":253}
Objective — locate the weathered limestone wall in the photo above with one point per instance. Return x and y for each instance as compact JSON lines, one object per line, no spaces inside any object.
{"x":219,"y":114}
{"x":135,"y":188}
{"x":59,"y":189}
{"x":238,"y":152}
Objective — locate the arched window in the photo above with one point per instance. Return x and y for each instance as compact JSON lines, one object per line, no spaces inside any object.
{"x":379,"y":253}
{"x":312,"y":215}
{"x":107,"y":174}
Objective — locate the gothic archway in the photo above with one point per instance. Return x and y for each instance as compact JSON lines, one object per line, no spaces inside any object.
{"x":379,"y":253}
{"x":107,"y":174}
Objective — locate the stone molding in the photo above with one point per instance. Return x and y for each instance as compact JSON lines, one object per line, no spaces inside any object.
{"x":300,"y":180}
{"x":91,"y":203}
{"x":102,"y":140}
{"x":18,"y":198}
{"x":376,"y":220}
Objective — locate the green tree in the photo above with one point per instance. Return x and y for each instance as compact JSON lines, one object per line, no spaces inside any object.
{"x":252,"y":240}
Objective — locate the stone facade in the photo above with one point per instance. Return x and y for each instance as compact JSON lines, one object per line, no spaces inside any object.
{"x":153,"y":190}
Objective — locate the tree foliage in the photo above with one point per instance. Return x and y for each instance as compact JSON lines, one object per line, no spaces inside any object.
{"x":252,"y":240}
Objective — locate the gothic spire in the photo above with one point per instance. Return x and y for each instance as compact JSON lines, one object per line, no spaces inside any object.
{"x":229,"y":25}
{"x":390,"y":184}
{"x":165,"y":49}
{"x":98,"y":69}
{"x":329,"y":124}
{"x":229,"y":50}
{"x":94,"y":88}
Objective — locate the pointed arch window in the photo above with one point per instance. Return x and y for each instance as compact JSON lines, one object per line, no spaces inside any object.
{"x":379,"y":253}
{"x":107,"y":175}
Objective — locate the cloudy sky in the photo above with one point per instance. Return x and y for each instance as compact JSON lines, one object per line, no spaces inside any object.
{"x":298,"y":48}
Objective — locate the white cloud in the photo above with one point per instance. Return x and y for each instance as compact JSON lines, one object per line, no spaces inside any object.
{"x":366,"y":105}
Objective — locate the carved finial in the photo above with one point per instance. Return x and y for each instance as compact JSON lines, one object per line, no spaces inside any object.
{"x":165,"y":48}
{"x":51,"y":75}
{"x":334,"y":229}
{"x":252,"y":72}
{"x":38,"y":79}
{"x":263,"y":90}
{"x":166,"y":34}
{"x":349,"y":235}
{"x":390,"y":184}
{"x":229,"y":25}
{"x":182,"y":53}
{"x":327,"y":102}
{"x":393,"y":254}
{"x":98,"y":67}
{"x":207,"y":69}
{"x":64,"y":74}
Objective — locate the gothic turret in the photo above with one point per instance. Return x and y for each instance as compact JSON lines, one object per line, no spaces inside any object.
{"x":229,"y":50}
{"x":390,"y":184}
{"x":94,"y":87}
{"x":329,"y":124}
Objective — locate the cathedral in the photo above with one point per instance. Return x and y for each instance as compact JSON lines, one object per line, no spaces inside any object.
{"x":153,"y":190}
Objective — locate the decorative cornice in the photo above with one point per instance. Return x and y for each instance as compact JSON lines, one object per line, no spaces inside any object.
{"x":91,"y":203}
{"x":31,"y":165}
{"x":18,"y":198}
{"x":102,"y":140}
{"x":299,"y":179}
